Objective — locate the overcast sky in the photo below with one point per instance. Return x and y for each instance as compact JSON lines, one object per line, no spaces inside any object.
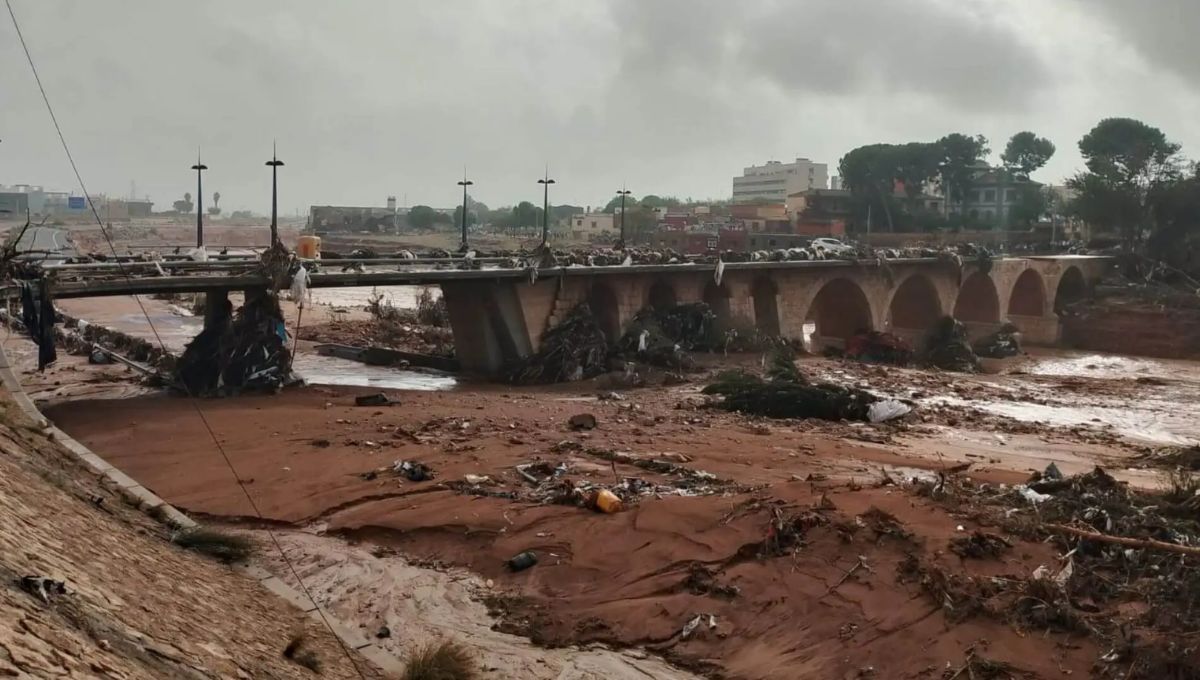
{"x":672,"y":97}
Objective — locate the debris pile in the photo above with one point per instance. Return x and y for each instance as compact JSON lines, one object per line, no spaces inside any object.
{"x":788,"y":394}
{"x":573,"y":350}
{"x":235,"y":352}
{"x":1127,"y":576}
{"x":662,"y":337}
{"x":948,"y":348}
{"x":1005,"y":342}
{"x":879,"y":347}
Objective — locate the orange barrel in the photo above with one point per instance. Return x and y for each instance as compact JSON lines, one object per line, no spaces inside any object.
{"x":308,"y":248}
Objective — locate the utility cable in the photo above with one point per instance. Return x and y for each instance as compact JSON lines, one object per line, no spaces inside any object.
{"x":191,"y":397}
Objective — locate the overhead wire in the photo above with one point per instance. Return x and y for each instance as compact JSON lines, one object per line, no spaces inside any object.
{"x":191,"y":397}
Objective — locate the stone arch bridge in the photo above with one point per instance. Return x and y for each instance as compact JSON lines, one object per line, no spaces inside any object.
{"x":499,"y":316}
{"x":819,"y":302}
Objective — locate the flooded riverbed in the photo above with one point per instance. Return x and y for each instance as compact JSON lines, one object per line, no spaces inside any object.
{"x":175,"y":326}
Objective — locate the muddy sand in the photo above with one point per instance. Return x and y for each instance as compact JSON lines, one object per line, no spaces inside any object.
{"x":699,"y":541}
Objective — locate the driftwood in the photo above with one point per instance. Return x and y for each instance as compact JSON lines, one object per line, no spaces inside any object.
{"x":1146,"y":543}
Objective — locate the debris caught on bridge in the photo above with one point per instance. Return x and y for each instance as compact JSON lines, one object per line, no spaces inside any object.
{"x":37,"y":313}
{"x":573,"y":350}
{"x":948,"y":348}
{"x":236,"y":352}
{"x":1005,"y":342}
{"x":879,"y":347}
{"x":663,"y":337}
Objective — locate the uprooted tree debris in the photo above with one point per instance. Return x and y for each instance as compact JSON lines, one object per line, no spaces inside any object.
{"x":235,"y":352}
{"x":573,"y":350}
{"x":948,"y":348}
{"x":1005,"y":342}
{"x":786,"y":393}
{"x":1128,"y":576}
{"x":577,"y":348}
{"x":663,"y":337}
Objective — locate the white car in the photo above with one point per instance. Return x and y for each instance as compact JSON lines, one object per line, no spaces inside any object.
{"x":832,"y":245}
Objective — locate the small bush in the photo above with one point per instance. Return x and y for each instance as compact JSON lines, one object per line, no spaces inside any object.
{"x":441,"y":661}
{"x":431,"y":311}
{"x":227,"y":548}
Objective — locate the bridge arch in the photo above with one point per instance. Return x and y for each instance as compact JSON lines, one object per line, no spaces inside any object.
{"x":603,"y":303}
{"x":915,"y":305}
{"x":838,"y":311}
{"x":1071,"y":288}
{"x":662,"y":295}
{"x":717,"y":298}
{"x":765,"y":293}
{"x":1028,"y":296}
{"x":978,"y":300}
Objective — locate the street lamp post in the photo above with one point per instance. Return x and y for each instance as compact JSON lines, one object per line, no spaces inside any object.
{"x":546,"y":182}
{"x":274,"y":163}
{"x":464,"y":184}
{"x":622,"y":193}
{"x":199,"y":167}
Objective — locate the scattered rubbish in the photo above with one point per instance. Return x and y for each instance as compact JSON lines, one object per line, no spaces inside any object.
{"x":320,"y":443}
{"x":610,"y":396}
{"x":690,"y":627}
{"x":377,"y":399}
{"x":603,"y":500}
{"x":887,"y":409}
{"x":98,"y":357}
{"x":43,"y":588}
{"x":582,"y":421}
{"x":573,"y":350}
{"x":947,"y":347}
{"x":702,"y":581}
{"x":1031,"y":495}
{"x":477,"y":479}
{"x":980,"y":544}
{"x":1005,"y":342}
{"x":522,"y":561}
{"x":383,"y":632}
{"x":412,"y":470}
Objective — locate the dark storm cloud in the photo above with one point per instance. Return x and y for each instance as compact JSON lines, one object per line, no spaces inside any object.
{"x":1163,"y":31}
{"x":369,"y":99}
{"x":960,"y":54}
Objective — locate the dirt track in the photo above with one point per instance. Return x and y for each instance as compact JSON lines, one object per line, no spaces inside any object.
{"x":635,"y":578}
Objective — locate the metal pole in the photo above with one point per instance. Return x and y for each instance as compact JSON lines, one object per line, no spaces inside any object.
{"x":546,"y":182}
{"x":464,"y":184}
{"x":274,"y":163}
{"x":623,"y":193}
{"x":199,"y":167}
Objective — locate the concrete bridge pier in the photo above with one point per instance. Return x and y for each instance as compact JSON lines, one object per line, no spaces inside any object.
{"x":488,"y":321}
{"x":216,"y":307}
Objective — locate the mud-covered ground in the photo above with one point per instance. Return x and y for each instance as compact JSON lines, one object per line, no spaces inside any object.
{"x":708,"y":496}
{"x":707,"y":493}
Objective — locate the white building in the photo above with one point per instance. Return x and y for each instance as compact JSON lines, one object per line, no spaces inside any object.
{"x":591,"y":225}
{"x":775,"y":181}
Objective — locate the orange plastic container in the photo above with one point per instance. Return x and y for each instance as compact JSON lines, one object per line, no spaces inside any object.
{"x":606,"y":501}
{"x":308,"y":247}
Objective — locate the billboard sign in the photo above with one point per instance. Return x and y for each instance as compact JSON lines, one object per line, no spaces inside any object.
{"x":76,"y":202}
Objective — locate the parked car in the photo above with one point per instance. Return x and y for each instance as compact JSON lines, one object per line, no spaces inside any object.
{"x":832,"y":245}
